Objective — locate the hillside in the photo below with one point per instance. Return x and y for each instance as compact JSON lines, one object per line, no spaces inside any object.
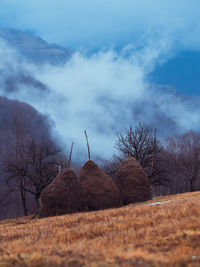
{"x":139,"y":235}
{"x":33,"y":48}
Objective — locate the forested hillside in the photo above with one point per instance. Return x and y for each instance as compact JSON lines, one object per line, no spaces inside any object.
{"x":29,"y":157}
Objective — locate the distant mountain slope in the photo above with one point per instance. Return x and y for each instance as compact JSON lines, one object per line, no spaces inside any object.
{"x":181,"y":72}
{"x":14,"y":74}
{"x":33,"y":48}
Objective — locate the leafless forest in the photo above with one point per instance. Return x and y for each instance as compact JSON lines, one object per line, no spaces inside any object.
{"x":30,"y":158}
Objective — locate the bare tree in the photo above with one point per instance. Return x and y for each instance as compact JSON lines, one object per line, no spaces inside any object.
{"x":111,"y":166}
{"x":19,"y":121}
{"x":138,"y":142}
{"x":43,"y":164}
{"x":4,"y":202}
{"x":160,"y":172}
{"x":36,"y":166}
{"x":184,"y":151}
{"x":14,"y":154}
{"x":142,"y":144}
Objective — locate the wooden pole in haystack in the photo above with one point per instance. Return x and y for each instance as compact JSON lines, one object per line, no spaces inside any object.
{"x":154,"y":151}
{"x":70,"y":156}
{"x":87,"y":144}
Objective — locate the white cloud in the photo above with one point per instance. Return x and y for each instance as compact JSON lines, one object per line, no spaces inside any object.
{"x":103,"y":94}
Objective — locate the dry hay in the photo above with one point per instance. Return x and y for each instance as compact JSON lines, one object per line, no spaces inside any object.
{"x":133,"y":184}
{"x":64,"y":195}
{"x":101,"y":192}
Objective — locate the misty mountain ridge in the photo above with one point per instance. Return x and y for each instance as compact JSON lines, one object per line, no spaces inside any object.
{"x":55,"y":88}
{"x":34,"y":49}
{"x":13,"y":71}
{"x":181,"y":71}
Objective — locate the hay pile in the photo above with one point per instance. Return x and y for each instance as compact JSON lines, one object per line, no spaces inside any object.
{"x":63,"y":195}
{"x":133,"y":184}
{"x":100,"y":191}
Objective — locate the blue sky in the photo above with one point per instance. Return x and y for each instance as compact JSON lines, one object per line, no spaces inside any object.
{"x":114,"y":24}
{"x":106,"y":23}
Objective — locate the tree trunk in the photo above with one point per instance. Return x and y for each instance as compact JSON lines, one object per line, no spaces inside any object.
{"x":37,"y":197}
{"x":23,"y":197}
{"x":192,"y":186}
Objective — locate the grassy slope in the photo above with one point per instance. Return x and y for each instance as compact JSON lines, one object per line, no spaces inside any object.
{"x":140,"y":235}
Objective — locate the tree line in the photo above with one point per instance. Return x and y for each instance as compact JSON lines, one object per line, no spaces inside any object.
{"x":172,"y":163}
{"x":30,"y":158}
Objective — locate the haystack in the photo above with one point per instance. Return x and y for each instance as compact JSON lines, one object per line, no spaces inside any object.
{"x":133,"y":184}
{"x":101,"y":192}
{"x":64,"y":195}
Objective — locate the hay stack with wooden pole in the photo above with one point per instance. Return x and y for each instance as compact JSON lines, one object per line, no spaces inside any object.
{"x":100,"y":191}
{"x":64,"y":195}
{"x":133,"y":184}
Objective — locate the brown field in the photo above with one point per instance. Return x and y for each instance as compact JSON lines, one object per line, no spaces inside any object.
{"x":135,"y":235}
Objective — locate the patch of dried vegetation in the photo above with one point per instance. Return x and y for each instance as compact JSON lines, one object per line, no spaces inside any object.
{"x":139,"y":235}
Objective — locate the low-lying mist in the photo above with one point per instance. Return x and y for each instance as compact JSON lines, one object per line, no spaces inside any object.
{"x":102,"y":93}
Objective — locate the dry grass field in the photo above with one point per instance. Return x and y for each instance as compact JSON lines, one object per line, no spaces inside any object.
{"x":135,"y":235}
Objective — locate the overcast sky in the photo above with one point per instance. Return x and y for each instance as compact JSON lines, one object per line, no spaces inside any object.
{"x":105,"y":23}
{"x":109,"y":88}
